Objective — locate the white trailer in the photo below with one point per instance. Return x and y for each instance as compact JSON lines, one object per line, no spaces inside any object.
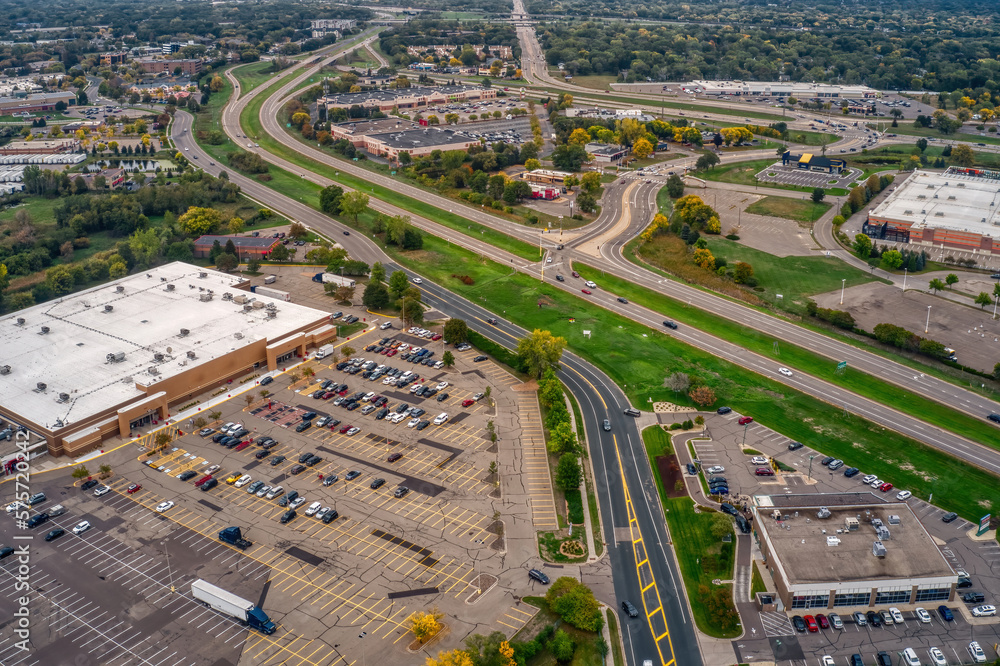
{"x":269,"y":292}
{"x":228,"y":603}
{"x":339,"y":281}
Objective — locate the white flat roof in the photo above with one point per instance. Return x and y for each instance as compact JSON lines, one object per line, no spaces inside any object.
{"x":775,"y":86}
{"x":145,"y":319}
{"x":945,"y":201}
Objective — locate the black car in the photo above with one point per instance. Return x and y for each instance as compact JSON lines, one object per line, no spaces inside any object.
{"x":691,"y":469}
{"x":269,"y":444}
{"x":560,"y":278}
{"x":827,"y":460}
{"x":377,"y":483}
{"x":309,"y":416}
{"x":724,"y":410}
{"x":305,"y":425}
{"x":728,"y":508}
{"x":883,"y":659}
{"x":491,"y":320}
{"x":625,"y":301}
{"x":422,"y":425}
{"x":994,"y":417}
{"x":800,"y":624}
{"x":949,"y":517}
{"x":277,"y":460}
{"x":304,"y":457}
{"x":874,"y":619}
{"x":631,"y":411}
{"x":297,"y":469}
{"x":851,"y":471}
{"x":353,"y":474}
{"x":380,"y":414}
{"x":717,"y":479}
{"x":266,"y":381}
{"x":670,"y":324}
{"x":313,"y":460}
{"x":629,"y":609}
{"x":208,"y":485}
{"x":87,"y":485}
{"x":964,"y":582}
{"x":185,"y":476}
{"x":6,"y":552}
{"x":288,"y":516}
{"x":973,"y":597}
{"x":330,"y":516}
{"x":219,"y":436}
{"x":743,"y":524}
{"x":55,"y":534}
{"x":480,"y":359}
{"x":38,"y":519}
{"x":260,"y":455}
{"x":535,"y":574}
{"x":795,"y":446}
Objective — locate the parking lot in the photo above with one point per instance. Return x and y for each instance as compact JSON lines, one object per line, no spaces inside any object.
{"x":340,"y":588}
{"x":770,"y":636}
{"x":777,"y":173}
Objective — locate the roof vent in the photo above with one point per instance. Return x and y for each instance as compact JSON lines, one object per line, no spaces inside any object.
{"x":40,"y":387}
{"x":184,"y":333}
{"x":204,"y":298}
{"x":203,"y":274}
{"x":878,"y":550}
{"x":4,"y":369}
{"x":120,"y":289}
{"x":45,"y":330}
{"x":63,"y":397}
{"x":153,"y":370}
{"x":239,"y":336}
{"x":162,"y":279}
{"x":116,"y":357}
{"x":191,"y":354}
{"x":158,"y":357}
{"x":271,"y":314}
{"x":20,"y":321}
{"x":170,"y":287}
{"x":823,"y":512}
{"x":109,"y":308}
{"x":894,"y":520}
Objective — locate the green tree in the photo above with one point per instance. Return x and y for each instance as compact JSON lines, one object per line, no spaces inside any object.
{"x":742,"y":272}
{"x":354,"y":204}
{"x":951,"y":280}
{"x":226,"y":262}
{"x":962,"y":155}
{"x":921,"y":143}
{"x":707,"y":160}
{"x":198,"y":221}
{"x":996,"y":371}
{"x":539,"y":351}
{"x":456,"y":331}
{"x":574,"y":602}
{"x":329,"y":199}
{"x":280,"y":253}
{"x":448,"y":359}
{"x":590,"y":182}
{"x":568,"y":472}
{"x":892,"y":259}
{"x":818,"y":194}
{"x":378,"y":272}
{"x":675,"y":187}
{"x":562,"y":439}
{"x":863,"y":245}
{"x":376,"y":296}
{"x":983,"y":299}
{"x":253,"y":264}
{"x":82,"y":472}
{"x":236,"y":225}
{"x":935,"y":285}
{"x":398,"y":284}
{"x":562,"y":647}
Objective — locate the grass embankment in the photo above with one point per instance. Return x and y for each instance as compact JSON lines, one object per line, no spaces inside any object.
{"x":742,"y":173}
{"x":910,"y":130}
{"x":700,"y":551}
{"x":891,"y":155}
{"x":250,"y":122}
{"x":638,"y":358}
{"x":800,"y":210}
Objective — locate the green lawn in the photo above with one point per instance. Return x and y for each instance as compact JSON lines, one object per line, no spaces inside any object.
{"x":250,"y":121}
{"x":616,"y":647}
{"x":742,"y":173}
{"x":595,"y":81}
{"x":893,"y":154}
{"x":800,"y":210}
{"x":252,"y":75}
{"x":664,"y":204}
{"x":757,"y":582}
{"x":909,"y":130}
{"x":702,"y":556}
{"x":810,"y":138}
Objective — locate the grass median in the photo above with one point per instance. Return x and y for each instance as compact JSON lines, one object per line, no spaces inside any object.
{"x":250,"y":122}
{"x":799,"y":358}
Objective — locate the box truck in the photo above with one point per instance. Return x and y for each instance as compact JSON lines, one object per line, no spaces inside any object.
{"x":268,"y":292}
{"x":232,"y":605}
{"x":270,"y":279}
{"x":324,"y":351}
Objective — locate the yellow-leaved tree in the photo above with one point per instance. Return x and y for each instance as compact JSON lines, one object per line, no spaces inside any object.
{"x":424,"y":625}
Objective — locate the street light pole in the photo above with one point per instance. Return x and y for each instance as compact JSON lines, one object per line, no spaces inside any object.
{"x":843,"y":285}
{"x":170,"y":572}
{"x":904,"y":279}
{"x":928,"y":324}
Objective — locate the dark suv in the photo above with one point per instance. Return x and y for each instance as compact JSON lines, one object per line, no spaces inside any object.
{"x":630,"y":609}
{"x":994,"y":417}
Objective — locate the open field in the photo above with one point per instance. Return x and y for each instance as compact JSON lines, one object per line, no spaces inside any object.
{"x":800,"y":210}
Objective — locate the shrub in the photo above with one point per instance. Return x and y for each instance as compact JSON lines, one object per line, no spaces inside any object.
{"x":732,"y":237}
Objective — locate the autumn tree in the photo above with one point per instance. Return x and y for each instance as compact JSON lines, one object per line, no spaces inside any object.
{"x":198,"y":221}
{"x":452,"y":658}
{"x":642,"y":148}
{"x":702,"y":395}
{"x":424,"y":625}
{"x":962,"y":155}
{"x":539,"y":351}
{"x":574,"y":602}
{"x":354,"y":204}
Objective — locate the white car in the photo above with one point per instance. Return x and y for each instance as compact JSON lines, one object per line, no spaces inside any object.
{"x":977,"y":653}
{"x":164,"y":506}
{"x":758,"y":460}
{"x":15,"y":506}
{"x":354,"y":431}
{"x":904,"y":495}
{"x":937,"y":657}
{"x":396,"y":418}
{"x":897,"y":617}
{"x":440,"y":418}
{"x":876,"y":483}
{"x":413,"y":423}
{"x":715,"y":469}
{"x":828,"y":660}
{"x":81,"y":528}
{"x":368,"y":396}
{"x":442,"y":386}
{"x":417,"y":281}
{"x":785,"y":371}
{"x":297,"y":502}
{"x":264,"y":490}
{"x":868,"y":478}
{"x":984,"y":611}
{"x":101,"y":490}
{"x":887,"y":617}
{"x":212,"y":470}
{"x":243,"y":480}
{"x":923,"y":615}
{"x":386,"y":325}
{"x":313,"y":509}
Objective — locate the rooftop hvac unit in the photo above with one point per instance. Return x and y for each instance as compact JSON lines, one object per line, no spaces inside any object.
{"x":116,"y":357}
{"x":45,"y":330}
{"x":257,"y":305}
{"x":120,"y":289}
{"x":203,"y":274}
{"x":247,"y":307}
{"x":163,"y":279}
{"x":851,"y":523}
{"x":894,"y":520}
{"x":204,"y":298}
{"x":240,"y":298}
{"x":191,"y":354}
{"x":4,"y":369}
{"x":271,"y":314}
{"x":832,"y":541}
{"x":823,"y":512}
{"x":877,"y":523}
{"x":170,"y":287}
{"x":153,"y":370}
{"x":184,"y":333}
{"x":271,"y":306}
{"x":158,"y":357}
{"x":883,"y":533}
{"x":40,"y":386}
{"x":20,"y":321}
{"x":878,"y":550}
{"x":227,"y":296}
{"x":63,"y":397}
{"x":109,"y":308}
{"x":238,"y":336}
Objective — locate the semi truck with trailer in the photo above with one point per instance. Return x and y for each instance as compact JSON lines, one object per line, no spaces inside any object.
{"x":228,"y":603}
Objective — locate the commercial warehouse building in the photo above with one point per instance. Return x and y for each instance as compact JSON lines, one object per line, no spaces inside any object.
{"x":246,"y":246}
{"x":418,"y":143}
{"x":957,"y":209}
{"x":100,"y":362}
{"x":798,"y":89}
{"x":413,"y":98}
{"x":34,"y":103}
{"x":849,"y":551}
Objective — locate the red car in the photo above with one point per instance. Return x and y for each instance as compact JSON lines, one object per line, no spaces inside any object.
{"x":328,"y":395}
{"x":823,"y":622}
{"x":586,"y":291}
{"x":436,"y":337}
{"x":241,"y":446}
{"x":466,"y":403}
{"x":134,"y":488}
{"x":342,"y":393}
{"x":391,"y":352}
{"x":811,"y":624}
{"x":885,"y":487}
{"x":764,"y":471}
{"x":745,"y":420}
{"x":202,"y":480}
{"x":345,"y":429}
